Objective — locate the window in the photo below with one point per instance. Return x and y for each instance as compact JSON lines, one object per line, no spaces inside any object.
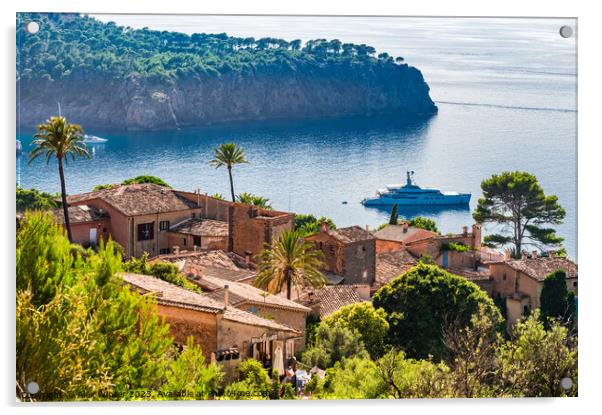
{"x":146,"y":231}
{"x":164,"y":225}
{"x":193,"y":215}
{"x":164,"y":251}
{"x":196,"y":240}
{"x":183,"y":241}
{"x":575,"y":284}
{"x":504,"y":277}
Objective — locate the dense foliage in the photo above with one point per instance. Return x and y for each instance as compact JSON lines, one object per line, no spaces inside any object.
{"x":146,"y":179}
{"x":74,"y":45}
{"x":33,"y":199}
{"x":370,"y":323}
{"x":516,"y":201}
{"x":82,"y":335}
{"x":420,"y":303}
{"x":255,"y":200}
{"x":556,"y":300}
{"x":332,"y":344}
{"x":307,"y":224}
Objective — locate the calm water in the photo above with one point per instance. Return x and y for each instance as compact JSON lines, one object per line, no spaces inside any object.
{"x":506,"y":96}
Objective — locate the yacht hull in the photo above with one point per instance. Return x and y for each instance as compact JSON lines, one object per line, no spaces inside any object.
{"x":440,"y":200}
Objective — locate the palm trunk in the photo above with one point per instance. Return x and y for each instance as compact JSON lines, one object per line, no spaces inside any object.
{"x":231,"y":183}
{"x":288,"y":284}
{"x":64,"y":200}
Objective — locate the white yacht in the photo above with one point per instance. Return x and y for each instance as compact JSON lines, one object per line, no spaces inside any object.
{"x":412,"y":195}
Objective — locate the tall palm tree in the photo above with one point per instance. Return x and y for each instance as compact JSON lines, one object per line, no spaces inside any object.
{"x":59,"y":139}
{"x":228,"y":155}
{"x":292,"y":261}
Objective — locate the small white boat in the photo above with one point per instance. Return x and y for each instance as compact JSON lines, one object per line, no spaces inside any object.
{"x":94,"y":139}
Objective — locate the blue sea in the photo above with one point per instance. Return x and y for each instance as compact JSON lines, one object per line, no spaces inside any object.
{"x":505,"y":88}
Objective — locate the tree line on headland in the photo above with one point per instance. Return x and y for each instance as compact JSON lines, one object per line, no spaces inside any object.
{"x":69,"y":43}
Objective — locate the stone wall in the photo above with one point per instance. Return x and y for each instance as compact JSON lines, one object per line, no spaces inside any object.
{"x":360,"y":262}
{"x":290,"y":318}
{"x":252,"y":228}
{"x":202,"y":326}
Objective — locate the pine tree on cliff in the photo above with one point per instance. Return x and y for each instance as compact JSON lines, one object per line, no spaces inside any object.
{"x":393,"y":220}
{"x":61,"y":140}
{"x":228,"y":155}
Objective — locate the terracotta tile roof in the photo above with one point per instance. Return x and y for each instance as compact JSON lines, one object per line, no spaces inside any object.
{"x":201,"y":227}
{"x":79,"y":214}
{"x":245,"y":293}
{"x":329,"y":299}
{"x":244,"y":317}
{"x":539,"y":268}
{"x":351,"y":234}
{"x":390,"y":265}
{"x":396,"y":233}
{"x":227,"y":274}
{"x":192,"y":261}
{"x":172,"y":295}
{"x":138,"y":199}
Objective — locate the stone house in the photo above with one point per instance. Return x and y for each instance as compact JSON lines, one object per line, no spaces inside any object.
{"x":397,"y":237}
{"x":520,"y":281}
{"x":199,"y":233}
{"x":88,"y":224}
{"x":226,"y":334}
{"x":256,"y":301}
{"x":348,"y":252}
{"x":140,"y":217}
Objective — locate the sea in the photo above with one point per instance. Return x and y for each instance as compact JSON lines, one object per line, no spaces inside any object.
{"x":506,"y":89}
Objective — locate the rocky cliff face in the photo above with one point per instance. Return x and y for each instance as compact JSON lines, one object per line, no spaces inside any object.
{"x":265,"y":93}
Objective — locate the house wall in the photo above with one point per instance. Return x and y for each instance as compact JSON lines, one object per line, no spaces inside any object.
{"x":212,"y":208}
{"x":515,"y":309}
{"x":360,"y":262}
{"x":81,"y":231}
{"x":332,"y":250}
{"x":252,"y":228}
{"x":430,"y":247}
{"x":202,"y":326}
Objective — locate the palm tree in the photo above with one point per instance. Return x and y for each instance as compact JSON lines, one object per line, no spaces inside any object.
{"x":228,"y":155}
{"x":292,"y":261}
{"x":60,"y":139}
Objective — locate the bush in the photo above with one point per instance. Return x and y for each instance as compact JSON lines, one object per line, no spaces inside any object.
{"x":333,"y":343}
{"x":369,"y":322}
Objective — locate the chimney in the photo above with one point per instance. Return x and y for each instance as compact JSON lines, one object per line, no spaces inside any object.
{"x":465,"y":230}
{"x":194,"y":248}
{"x":525,"y":254}
{"x":405,"y":227}
{"x":226,"y":296}
{"x":176,"y":249}
{"x":476,"y":235}
{"x":552,"y":254}
{"x":247,"y":257}
{"x":324,"y":227}
{"x":534,"y":254}
{"x":507,"y":255}
{"x":367,"y":228}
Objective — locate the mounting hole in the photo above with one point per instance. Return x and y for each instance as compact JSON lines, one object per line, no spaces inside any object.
{"x":566,"y":383}
{"x":566,"y":31}
{"x":32,"y":388}
{"x":32,"y":27}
